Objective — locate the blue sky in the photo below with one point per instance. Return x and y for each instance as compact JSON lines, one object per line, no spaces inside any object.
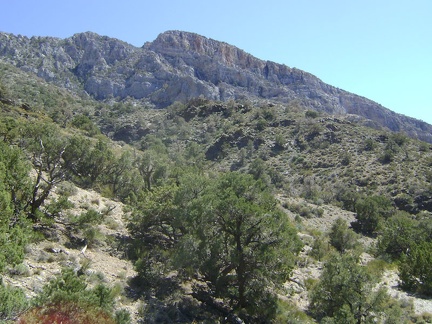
{"x":379,"y":49}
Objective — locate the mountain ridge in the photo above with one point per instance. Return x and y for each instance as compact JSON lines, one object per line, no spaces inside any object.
{"x":131,"y":185}
{"x":179,"y":66}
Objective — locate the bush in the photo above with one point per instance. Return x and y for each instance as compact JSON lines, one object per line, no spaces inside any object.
{"x":261,"y":124}
{"x":289,"y":313}
{"x":71,"y":288}
{"x":346,"y":294}
{"x":345,"y":158}
{"x":342,"y":238}
{"x":12,"y":241}
{"x":66,"y":312}
{"x":371,"y":212}
{"x":58,"y":206}
{"x":320,"y":248}
{"x":369,"y":144}
{"x":85,"y":123}
{"x":348,"y":197}
{"x":3,"y":91}
{"x":387,"y":157}
{"x":399,"y":234}
{"x":399,"y":138}
{"x":122,"y":316}
{"x":66,"y":299}
{"x":67,"y":189}
{"x":89,"y":217}
{"x":12,"y":302}
{"x":20,"y":270}
{"x":416,"y":269}
{"x":311,"y":114}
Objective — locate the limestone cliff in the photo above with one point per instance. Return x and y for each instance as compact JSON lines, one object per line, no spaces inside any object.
{"x":178,"y":66}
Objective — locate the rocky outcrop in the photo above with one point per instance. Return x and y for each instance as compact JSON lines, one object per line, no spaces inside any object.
{"x":179,"y":66}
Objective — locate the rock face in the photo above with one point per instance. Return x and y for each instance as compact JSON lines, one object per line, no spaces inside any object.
{"x":179,"y":66}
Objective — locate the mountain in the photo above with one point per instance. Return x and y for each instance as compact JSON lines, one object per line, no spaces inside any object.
{"x":159,"y":215}
{"x":179,"y":66}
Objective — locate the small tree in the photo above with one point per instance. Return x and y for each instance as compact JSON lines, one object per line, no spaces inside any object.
{"x":371,"y":212}
{"x":15,"y":192}
{"x":346,"y":294}
{"x":44,"y":143}
{"x":124,"y":178}
{"x":99,"y":160}
{"x":416,"y":268}
{"x":400,"y":232}
{"x":151,"y":166}
{"x":240,"y":243}
{"x":84,"y":123}
{"x":320,"y":247}
{"x":226,"y":232}
{"x":342,"y":238}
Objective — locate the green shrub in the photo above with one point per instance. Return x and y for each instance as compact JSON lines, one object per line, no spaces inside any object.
{"x":66,"y":312}
{"x":269,"y":113}
{"x":311,"y":114}
{"x":58,"y":206}
{"x":345,"y":158}
{"x":320,"y":248}
{"x":348,"y":197}
{"x":85,"y":123}
{"x":91,"y":216}
{"x":346,"y":292}
{"x":3,"y":91}
{"x":399,"y":233}
{"x":69,"y":295}
{"x":305,"y":211}
{"x":424,"y":147}
{"x":66,"y":189}
{"x":416,"y":268}
{"x":288,"y":313}
{"x":261,"y":124}
{"x":369,"y":144}
{"x":319,"y":212}
{"x":122,"y":316}
{"x":12,"y":302}
{"x":371,"y":212}
{"x":20,"y":270}
{"x":376,"y":267}
{"x":12,"y":241}
{"x":387,"y":157}
{"x":342,"y":238}
{"x":399,"y":138}
{"x":92,"y":236}
{"x":280,"y":141}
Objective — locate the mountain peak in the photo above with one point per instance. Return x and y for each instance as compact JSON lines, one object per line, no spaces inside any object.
{"x":176,"y":40}
{"x":179,"y":66}
{"x":175,"y":43}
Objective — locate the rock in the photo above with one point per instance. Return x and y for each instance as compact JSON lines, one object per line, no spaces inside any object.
{"x":26,"y":107}
{"x":6,"y":101}
{"x":179,"y":66}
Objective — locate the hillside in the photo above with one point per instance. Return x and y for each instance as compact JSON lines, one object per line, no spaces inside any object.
{"x":179,"y":66}
{"x":220,"y":210}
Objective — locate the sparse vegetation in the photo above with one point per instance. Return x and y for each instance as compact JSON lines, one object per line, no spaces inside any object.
{"x":198,"y":183}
